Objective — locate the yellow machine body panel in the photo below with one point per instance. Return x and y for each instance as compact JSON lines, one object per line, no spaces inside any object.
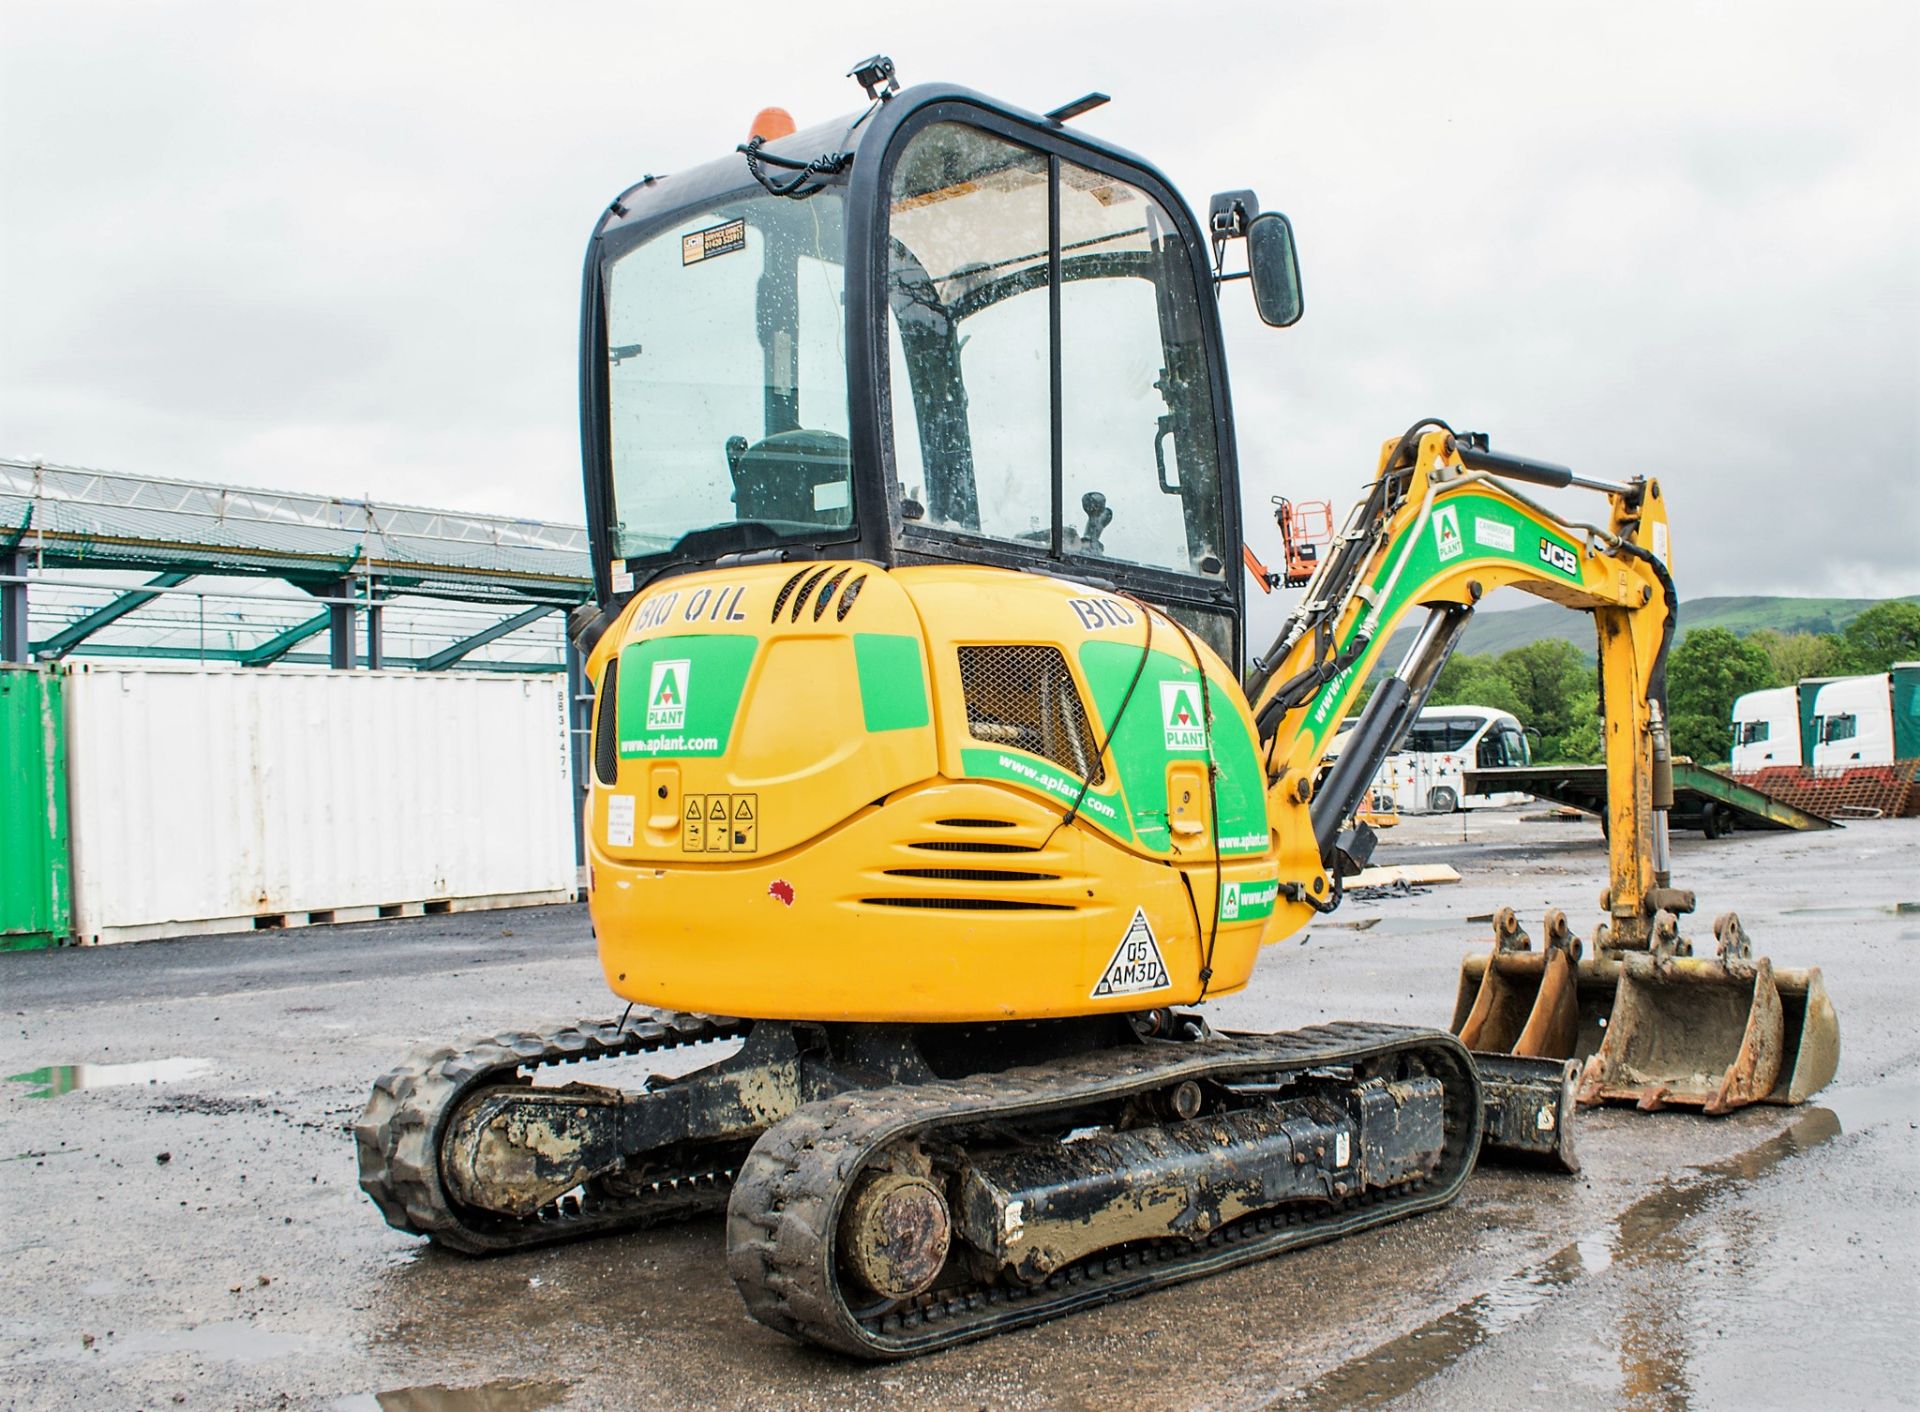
{"x":935,"y":794}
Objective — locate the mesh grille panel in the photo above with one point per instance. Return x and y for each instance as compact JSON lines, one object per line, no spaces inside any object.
{"x":606,"y":765}
{"x":1025,"y":697}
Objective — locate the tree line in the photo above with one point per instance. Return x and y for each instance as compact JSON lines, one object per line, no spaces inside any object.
{"x":1554,"y":690}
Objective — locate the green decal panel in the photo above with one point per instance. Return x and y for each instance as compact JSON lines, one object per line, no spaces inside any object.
{"x":1018,"y":767}
{"x":1472,"y":529}
{"x":678,"y":696}
{"x":893,"y":681}
{"x":1161,"y":725}
{"x":1248,"y":901}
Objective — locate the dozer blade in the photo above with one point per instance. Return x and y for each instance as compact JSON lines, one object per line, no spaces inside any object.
{"x":1653,"y":1028}
{"x":1529,"y":1106}
{"x":1716,"y":1034}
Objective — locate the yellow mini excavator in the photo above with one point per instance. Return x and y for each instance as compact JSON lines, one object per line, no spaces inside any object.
{"x":934,"y":780}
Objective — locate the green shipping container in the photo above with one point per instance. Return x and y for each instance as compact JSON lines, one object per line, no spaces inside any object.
{"x":1906,"y":710}
{"x":35,"y":887}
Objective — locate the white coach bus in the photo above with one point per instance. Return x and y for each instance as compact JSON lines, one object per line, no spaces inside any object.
{"x":1424,"y":776}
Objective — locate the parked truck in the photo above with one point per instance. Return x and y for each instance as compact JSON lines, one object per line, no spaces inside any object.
{"x":1869,"y":720}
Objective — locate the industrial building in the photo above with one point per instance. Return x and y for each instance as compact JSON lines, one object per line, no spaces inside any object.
{"x":185,"y":662}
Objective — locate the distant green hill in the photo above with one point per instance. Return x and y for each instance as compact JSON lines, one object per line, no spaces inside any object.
{"x":1494,"y":633}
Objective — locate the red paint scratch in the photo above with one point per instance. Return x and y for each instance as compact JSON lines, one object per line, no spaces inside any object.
{"x":782,"y":889}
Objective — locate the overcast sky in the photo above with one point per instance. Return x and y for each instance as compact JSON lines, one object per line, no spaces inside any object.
{"x":337,"y":247}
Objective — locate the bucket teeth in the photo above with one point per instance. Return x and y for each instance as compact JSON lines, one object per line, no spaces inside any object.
{"x":1690,"y":1031}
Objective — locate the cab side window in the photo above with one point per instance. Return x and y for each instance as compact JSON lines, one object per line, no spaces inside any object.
{"x":972,"y":241}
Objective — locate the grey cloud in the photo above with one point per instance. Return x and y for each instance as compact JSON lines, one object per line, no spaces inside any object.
{"x":338,"y":247}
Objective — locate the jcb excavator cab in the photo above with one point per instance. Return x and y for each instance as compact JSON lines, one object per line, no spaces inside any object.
{"x":943,"y":332}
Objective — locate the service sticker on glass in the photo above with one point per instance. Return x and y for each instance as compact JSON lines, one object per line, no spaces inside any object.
{"x":714,"y":240}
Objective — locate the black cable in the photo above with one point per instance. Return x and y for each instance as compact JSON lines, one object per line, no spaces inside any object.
{"x":1332,"y":903}
{"x":1113,"y":725}
{"x":1213,"y":808}
{"x":827,"y":164}
{"x":1657,"y":678}
{"x":807,"y":175}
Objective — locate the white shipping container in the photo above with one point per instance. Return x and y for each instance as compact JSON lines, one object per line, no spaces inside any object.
{"x":207,"y":799}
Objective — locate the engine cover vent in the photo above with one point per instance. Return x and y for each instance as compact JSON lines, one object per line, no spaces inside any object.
{"x":990,"y":875}
{"x":968,"y":904}
{"x":606,"y":763}
{"x":971,"y":845}
{"x":1025,"y":697}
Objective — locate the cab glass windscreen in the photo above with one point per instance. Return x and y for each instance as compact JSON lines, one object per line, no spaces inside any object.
{"x":726,"y":378}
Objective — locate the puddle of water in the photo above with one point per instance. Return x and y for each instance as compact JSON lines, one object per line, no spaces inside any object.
{"x":57,"y":1079}
{"x":1856,"y":911}
{"x":234,"y":1341}
{"x":506,"y":1395}
{"x":1642,"y":1233}
{"x":1401,"y":926}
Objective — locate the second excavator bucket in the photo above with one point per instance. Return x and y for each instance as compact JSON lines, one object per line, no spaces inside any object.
{"x":1653,"y":1027}
{"x":1715,"y":1034}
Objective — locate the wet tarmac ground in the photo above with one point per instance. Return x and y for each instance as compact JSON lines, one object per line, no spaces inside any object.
{"x":183,"y":1227}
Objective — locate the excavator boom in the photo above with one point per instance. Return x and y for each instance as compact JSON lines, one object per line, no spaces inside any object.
{"x":1443,"y":525}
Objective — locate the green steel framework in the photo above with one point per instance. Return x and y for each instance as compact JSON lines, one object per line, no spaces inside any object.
{"x":350,"y":559}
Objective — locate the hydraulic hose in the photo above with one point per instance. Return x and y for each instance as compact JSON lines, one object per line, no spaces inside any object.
{"x":1339,"y":572}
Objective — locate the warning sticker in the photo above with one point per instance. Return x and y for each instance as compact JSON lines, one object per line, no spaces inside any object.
{"x":714,"y":240}
{"x":720,"y":823}
{"x":1137,"y":964}
{"x":1180,"y":714}
{"x":746,"y":824}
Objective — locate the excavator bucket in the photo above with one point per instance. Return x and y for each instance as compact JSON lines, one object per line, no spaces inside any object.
{"x":1526,"y":1002}
{"x":1653,"y":1028}
{"x":1714,"y":1034}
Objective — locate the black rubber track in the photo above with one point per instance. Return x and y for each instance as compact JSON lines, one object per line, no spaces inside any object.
{"x":784,"y":1213}
{"x":397,"y":1136}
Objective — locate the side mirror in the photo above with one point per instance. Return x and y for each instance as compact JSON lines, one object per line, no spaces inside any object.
{"x":1275,"y":270}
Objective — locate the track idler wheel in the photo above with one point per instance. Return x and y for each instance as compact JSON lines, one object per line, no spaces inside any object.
{"x":895,"y":1234}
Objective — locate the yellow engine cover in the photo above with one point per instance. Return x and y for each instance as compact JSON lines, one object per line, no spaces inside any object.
{"x":842,"y":793}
